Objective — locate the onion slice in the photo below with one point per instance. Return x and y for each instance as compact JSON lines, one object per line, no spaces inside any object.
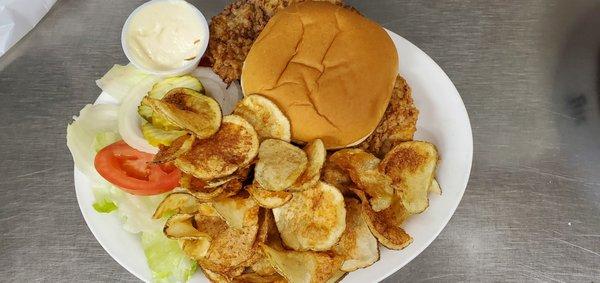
{"x":130,"y":120}
{"x":226,"y":96}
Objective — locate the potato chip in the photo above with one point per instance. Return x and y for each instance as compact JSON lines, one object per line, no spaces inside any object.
{"x":266,"y":227}
{"x":268,"y":199}
{"x":411,"y":166}
{"x":435,"y":187}
{"x":238,"y":211}
{"x":202,"y":192}
{"x":233,"y":147}
{"x":316,"y":154}
{"x":357,"y":245}
{"x":337,"y":177}
{"x":216,"y":277}
{"x":303,"y":266}
{"x":177,"y":203}
{"x":257,"y":278}
{"x":336,"y":277}
{"x":198,"y":114}
{"x":313,"y":220}
{"x":263,"y":267}
{"x":384,"y":224}
{"x":230,"y":248}
{"x":279,"y":165}
{"x":362,"y":169}
{"x":182,"y":226}
{"x":178,"y":147}
{"x":265,"y":117}
{"x":196,"y":249}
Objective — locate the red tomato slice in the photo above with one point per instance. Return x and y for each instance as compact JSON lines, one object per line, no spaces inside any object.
{"x":133,"y":170}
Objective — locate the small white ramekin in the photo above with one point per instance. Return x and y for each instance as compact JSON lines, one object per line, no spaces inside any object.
{"x":187,"y":68}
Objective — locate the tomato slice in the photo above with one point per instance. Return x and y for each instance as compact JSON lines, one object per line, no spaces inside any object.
{"x":133,"y":170}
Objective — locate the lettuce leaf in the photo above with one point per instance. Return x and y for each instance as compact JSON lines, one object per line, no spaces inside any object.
{"x":166,"y":259}
{"x":105,"y":139}
{"x":82,"y":133}
{"x":119,"y":80}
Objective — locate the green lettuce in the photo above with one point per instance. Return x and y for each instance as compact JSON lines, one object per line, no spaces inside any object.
{"x":104,"y":206}
{"x":105,"y":139}
{"x":93,"y":120}
{"x":166,"y":259}
{"x":119,"y":81}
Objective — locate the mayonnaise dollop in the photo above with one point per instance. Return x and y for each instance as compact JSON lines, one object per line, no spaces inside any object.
{"x":165,"y":35}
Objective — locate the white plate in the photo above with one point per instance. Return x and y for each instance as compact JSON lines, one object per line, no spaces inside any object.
{"x":443,"y":120}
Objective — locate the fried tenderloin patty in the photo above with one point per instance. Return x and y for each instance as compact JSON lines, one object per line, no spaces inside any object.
{"x":398,"y":123}
{"x":232,"y":33}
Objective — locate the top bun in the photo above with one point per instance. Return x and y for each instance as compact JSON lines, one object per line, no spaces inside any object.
{"x":329,"y":69}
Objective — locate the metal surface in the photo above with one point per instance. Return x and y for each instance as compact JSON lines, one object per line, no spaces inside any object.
{"x":528,"y":72}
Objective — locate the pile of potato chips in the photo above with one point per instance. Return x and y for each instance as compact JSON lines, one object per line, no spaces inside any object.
{"x":255,"y":207}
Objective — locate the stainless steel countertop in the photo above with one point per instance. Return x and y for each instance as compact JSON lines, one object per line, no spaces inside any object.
{"x":528,"y":72}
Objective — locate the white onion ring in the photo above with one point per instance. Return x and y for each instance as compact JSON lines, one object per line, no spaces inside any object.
{"x":227,"y":97}
{"x":130,"y":120}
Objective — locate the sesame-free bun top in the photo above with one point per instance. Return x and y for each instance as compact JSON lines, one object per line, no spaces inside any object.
{"x":329,"y":69}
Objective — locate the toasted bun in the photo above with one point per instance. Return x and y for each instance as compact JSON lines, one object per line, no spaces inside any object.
{"x":328,"y":68}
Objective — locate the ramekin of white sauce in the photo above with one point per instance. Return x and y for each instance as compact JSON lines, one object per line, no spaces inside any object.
{"x":165,"y":37}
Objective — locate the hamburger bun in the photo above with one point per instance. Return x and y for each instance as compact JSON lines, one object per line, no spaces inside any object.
{"x":329,"y":69}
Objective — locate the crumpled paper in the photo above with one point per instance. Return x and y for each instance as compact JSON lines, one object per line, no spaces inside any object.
{"x":18,"y":17}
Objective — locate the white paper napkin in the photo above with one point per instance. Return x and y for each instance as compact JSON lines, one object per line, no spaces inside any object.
{"x":18,"y":17}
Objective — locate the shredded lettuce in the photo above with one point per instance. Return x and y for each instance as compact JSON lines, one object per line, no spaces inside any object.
{"x":119,"y":81}
{"x":134,"y":211}
{"x":104,"y":206}
{"x":166,"y":259}
{"x":164,"y":256}
{"x":82,"y":133}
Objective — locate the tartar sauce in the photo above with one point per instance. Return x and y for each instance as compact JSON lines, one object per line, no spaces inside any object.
{"x":165,"y":35}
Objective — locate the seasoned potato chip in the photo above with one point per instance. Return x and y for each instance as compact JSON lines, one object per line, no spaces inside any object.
{"x":196,"y":249}
{"x":279,"y":164}
{"x":257,"y":278}
{"x":197,"y":113}
{"x":313,"y":220}
{"x":362,"y":169}
{"x":238,"y":211}
{"x":268,"y":199}
{"x":265,"y":117}
{"x":384,"y":225}
{"x":435,"y":187}
{"x":411,"y":166}
{"x":233,"y":147}
{"x":177,"y":203}
{"x":266,"y":227}
{"x":357,"y":245}
{"x":337,"y":177}
{"x":216,"y":277}
{"x":230,"y":248}
{"x":316,"y":154}
{"x":190,"y":182}
{"x":263,"y":267}
{"x":178,"y":147}
{"x":306,"y":266}
{"x":206,"y":193}
{"x":337,"y":276}
{"x":182,"y":226}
